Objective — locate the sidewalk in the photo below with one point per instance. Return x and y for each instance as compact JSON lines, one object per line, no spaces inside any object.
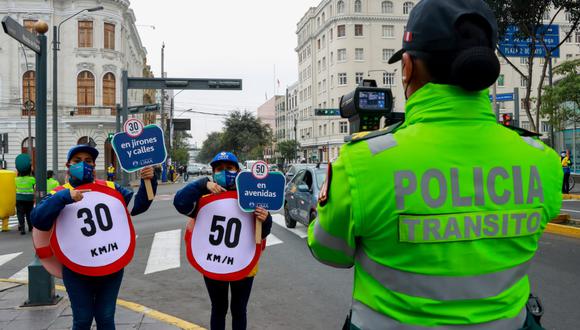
{"x":127,"y":316}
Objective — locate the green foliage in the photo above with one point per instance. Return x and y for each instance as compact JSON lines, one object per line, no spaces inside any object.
{"x":211,"y":146}
{"x":180,"y":153}
{"x":288,"y":149}
{"x":562,"y":101}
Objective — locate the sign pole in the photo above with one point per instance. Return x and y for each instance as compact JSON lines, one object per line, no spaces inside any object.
{"x":125,"y":180}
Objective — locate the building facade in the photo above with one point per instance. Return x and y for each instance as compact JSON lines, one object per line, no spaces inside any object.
{"x":95,"y":47}
{"x":342,"y":42}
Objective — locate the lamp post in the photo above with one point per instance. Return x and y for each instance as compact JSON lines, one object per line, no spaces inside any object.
{"x":55,"y":49}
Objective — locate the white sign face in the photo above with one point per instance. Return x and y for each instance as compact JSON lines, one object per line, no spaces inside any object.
{"x":260,"y":169}
{"x":94,"y":232}
{"x":223,"y":239}
{"x":133,"y":127}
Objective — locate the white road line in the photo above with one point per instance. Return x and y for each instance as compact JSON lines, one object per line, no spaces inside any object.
{"x":7,"y":257}
{"x":273,"y":240}
{"x":22,"y":274}
{"x":165,"y":252}
{"x":300,"y":230}
{"x":575,"y":211}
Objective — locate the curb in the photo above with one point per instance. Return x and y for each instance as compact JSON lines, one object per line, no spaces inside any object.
{"x":571,"y":196}
{"x":563,"y":230}
{"x":152,"y":313}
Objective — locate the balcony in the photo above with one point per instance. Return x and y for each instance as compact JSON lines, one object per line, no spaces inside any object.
{"x":89,"y":114}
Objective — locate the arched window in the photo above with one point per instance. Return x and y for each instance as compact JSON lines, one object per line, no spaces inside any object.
{"x":340,"y":7}
{"x":28,"y":93}
{"x":407,"y":7}
{"x":323,"y":17}
{"x":109,"y":92}
{"x":85,"y":92}
{"x":87,"y":140}
{"x":358,"y":6}
{"x":387,"y":7}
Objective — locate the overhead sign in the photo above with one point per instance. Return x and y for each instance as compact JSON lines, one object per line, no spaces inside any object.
{"x":140,"y":150}
{"x":185,"y":83}
{"x":144,"y":108}
{"x":514,"y":45}
{"x":20,"y":33}
{"x":180,"y":124}
{"x":267,"y":192}
{"x":327,"y":112}
{"x":503,"y":97}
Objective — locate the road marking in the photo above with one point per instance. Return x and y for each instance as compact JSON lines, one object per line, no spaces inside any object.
{"x":300,"y":230}
{"x":7,"y":257}
{"x":22,"y":274}
{"x":165,"y":252}
{"x":273,"y":240}
{"x":575,"y":211}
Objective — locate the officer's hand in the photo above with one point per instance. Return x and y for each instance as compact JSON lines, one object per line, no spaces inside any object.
{"x":261,"y":214}
{"x":77,"y":195}
{"x":147,"y":173}
{"x":214,"y":188}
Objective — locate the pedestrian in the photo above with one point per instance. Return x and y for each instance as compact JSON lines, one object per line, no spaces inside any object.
{"x":185,"y":174}
{"x":225,"y":167}
{"x":111,"y":172}
{"x":566,"y":162}
{"x":443,"y":241}
{"x":90,"y":296}
{"x":25,"y":184}
{"x":51,"y":182}
{"x":172,"y":173}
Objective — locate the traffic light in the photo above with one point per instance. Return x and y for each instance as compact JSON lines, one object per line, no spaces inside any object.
{"x":506,"y":119}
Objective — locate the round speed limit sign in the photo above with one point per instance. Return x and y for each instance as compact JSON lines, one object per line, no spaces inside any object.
{"x":260,"y":169}
{"x":133,"y":127}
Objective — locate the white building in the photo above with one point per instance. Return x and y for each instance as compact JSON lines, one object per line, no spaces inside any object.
{"x":95,"y":47}
{"x":341,"y":42}
{"x":291,"y":111}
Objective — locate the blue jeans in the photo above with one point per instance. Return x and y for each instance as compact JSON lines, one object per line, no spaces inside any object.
{"x":92,"y":297}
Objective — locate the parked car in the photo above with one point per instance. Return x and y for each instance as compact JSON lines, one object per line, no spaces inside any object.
{"x":301,"y":196}
{"x":206,"y":169}
{"x":194,"y":169}
{"x":295,"y":168}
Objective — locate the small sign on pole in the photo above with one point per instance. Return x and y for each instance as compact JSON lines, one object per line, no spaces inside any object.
{"x":139,"y":146}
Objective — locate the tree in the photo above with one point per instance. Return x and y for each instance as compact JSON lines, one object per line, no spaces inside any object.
{"x":288,"y":149}
{"x":245,"y":135}
{"x":211,"y":146}
{"x":528,"y":16}
{"x":180,"y":151}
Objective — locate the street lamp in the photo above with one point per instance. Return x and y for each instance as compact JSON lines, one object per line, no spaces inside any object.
{"x":55,"y":49}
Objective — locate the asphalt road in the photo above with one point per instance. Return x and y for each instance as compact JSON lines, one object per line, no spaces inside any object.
{"x":291,"y":290}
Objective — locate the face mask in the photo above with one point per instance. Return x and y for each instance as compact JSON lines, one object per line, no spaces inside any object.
{"x":81,"y":173}
{"x":226,"y":179}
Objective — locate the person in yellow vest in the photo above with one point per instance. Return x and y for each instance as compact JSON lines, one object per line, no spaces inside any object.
{"x":566,"y":162}
{"x":25,"y":183}
{"x":444,"y":241}
{"x":51,"y":182}
{"x":111,"y":172}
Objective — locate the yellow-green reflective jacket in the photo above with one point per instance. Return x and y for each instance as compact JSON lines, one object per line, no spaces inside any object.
{"x":444,"y":241}
{"x":25,"y":188}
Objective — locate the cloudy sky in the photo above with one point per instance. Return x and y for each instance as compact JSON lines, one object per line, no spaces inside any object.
{"x":253,"y":40}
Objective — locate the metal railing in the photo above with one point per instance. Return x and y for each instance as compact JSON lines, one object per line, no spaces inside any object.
{"x":95,"y":111}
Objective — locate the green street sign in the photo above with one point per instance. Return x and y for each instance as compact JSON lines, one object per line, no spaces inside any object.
{"x":110,"y":136}
{"x":144,"y":108}
{"x":327,"y":112}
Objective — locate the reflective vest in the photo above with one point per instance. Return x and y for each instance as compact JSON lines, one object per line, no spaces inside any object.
{"x":566,"y":161}
{"x":51,"y":184}
{"x":25,"y":188}
{"x":111,"y":170}
{"x":445,"y":240}
{"x":69,"y":186}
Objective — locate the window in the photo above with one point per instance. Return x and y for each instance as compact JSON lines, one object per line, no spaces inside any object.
{"x":547,"y":16}
{"x":109,"y":36}
{"x":109,"y":92}
{"x":341,"y":55}
{"x":28,"y":93}
{"x":387,"y":7}
{"x":29,"y":25}
{"x":341,"y":79}
{"x":577,"y":38}
{"x":324,"y":63}
{"x":85,"y":92}
{"x":331,"y":34}
{"x":359,"y":54}
{"x":318,"y":21}
{"x":501,"y":80}
{"x":85,"y":34}
{"x":407,"y":7}
{"x":545,"y":126}
{"x":359,"y":77}
{"x":323,"y":41}
{"x":323,"y":17}
{"x":331,"y":58}
{"x":523,"y":81}
{"x":388,"y":79}
{"x":343,"y":127}
{"x":524,"y":61}
{"x":387,"y":54}
{"x":340,"y":7}
{"x":388,"y":31}
{"x":358,"y":30}
{"x":341,"y":31}
{"x":318,"y":43}
{"x":319,"y":66}
{"x":568,"y":16}
{"x":358,"y":6}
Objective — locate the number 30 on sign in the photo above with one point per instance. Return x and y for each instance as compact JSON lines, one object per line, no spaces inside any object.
{"x":133,"y":127}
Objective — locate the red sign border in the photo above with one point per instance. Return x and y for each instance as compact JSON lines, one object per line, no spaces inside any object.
{"x":102,"y":270}
{"x":130,"y":120}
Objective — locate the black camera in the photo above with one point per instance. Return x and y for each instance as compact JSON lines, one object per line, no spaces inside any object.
{"x":367,"y":105}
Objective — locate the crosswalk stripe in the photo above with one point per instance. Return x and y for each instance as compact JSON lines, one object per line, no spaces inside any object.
{"x":22,"y":274}
{"x":300,"y":230}
{"x":7,"y":257}
{"x":165,"y":251}
{"x":273,"y":240}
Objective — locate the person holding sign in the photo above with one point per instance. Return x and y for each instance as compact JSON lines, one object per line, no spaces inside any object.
{"x":91,"y":235}
{"x":223,"y":235}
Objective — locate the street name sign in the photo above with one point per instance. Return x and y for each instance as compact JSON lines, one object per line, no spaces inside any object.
{"x":21,"y":34}
{"x":503,"y":97}
{"x":514,"y":45}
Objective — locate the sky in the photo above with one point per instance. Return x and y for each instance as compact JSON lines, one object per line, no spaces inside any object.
{"x":252,"y":40}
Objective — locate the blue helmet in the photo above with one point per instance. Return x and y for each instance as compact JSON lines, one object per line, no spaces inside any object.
{"x":225,"y":157}
{"x":82,"y":148}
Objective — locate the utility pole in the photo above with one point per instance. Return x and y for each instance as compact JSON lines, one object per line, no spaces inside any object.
{"x":295,"y":139}
{"x":164,"y":169}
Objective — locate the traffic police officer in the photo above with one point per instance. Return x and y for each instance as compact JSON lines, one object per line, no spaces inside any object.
{"x":444,"y":241}
{"x":25,"y":183}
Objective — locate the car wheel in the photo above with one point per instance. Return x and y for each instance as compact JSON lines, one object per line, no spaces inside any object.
{"x":290,"y":223}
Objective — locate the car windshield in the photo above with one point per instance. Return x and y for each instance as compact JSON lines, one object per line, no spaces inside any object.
{"x":320,"y":177}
